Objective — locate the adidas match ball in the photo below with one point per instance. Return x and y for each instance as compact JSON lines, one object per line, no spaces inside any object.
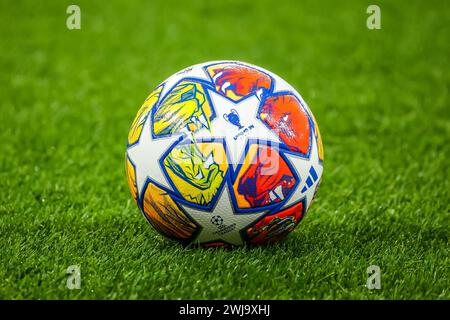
{"x":224,"y":153}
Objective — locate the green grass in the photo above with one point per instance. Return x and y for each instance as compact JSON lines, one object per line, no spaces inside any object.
{"x":68,"y":99}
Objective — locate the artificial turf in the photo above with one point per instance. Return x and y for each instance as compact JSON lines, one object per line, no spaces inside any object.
{"x":68,"y":98}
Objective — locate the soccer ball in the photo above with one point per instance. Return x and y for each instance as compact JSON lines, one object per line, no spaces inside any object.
{"x":224,"y":153}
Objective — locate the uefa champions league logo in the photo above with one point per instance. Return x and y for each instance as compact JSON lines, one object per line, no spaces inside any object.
{"x":233,"y":118}
{"x":217,"y":220}
{"x":222,"y":228}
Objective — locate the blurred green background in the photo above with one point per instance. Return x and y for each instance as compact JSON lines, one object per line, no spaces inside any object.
{"x":68,"y":98}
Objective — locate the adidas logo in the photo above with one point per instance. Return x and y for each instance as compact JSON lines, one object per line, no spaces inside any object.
{"x":311,"y":179}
